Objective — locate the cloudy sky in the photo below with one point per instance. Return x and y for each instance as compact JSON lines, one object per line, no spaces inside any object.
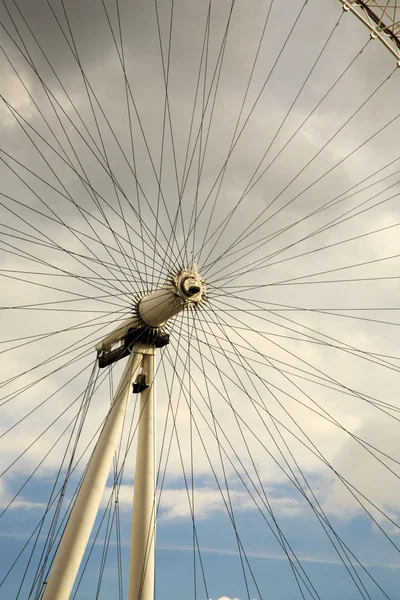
{"x":258,"y":139}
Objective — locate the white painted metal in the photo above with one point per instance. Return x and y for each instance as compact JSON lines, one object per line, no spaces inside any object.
{"x":83,"y":514}
{"x":381,"y":18}
{"x":118,"y":334}
{"x":143,"y":518}
{"x":186,"y":288}
{"x":156,"y":308}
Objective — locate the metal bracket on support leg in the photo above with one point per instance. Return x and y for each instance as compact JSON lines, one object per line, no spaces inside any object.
{"x":146,"y":336}
{"x":134,"y":336}
{"x":140,"y":384}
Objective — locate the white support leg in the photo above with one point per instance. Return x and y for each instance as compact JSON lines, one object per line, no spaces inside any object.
{"x":84,"y":511}
{"x":186,"y":289}
{"x":143,"y":519}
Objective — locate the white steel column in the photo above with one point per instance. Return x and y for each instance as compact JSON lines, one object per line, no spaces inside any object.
{"x":143,"y":519}
{"x":84,"y":511}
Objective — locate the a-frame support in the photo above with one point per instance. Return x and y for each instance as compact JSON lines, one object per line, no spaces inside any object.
{"x":84,"y":511}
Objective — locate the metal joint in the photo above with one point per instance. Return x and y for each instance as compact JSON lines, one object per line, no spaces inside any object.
{"x":140,"y":384}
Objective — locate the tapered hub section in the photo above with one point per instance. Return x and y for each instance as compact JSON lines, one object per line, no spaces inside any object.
{"x":186,"y":290}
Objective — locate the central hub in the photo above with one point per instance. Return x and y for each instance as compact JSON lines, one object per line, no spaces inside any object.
{"x":190,"y":286}
{"x":185,"y":290}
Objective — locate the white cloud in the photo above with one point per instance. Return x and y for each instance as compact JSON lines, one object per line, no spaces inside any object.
{"x":176,"y":503}
{"x":376,"y":482}
{"x":226,"y":598}
{"x":17,"y":97}
{"x":6,"y":498}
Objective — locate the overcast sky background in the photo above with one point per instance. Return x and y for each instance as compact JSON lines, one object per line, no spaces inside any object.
{"x":300,"y":333}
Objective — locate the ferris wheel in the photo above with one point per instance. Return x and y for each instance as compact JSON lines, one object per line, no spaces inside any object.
{"x":200,"y":259}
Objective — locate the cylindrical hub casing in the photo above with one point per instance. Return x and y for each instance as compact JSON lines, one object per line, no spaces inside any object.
{"x":156,"y":308}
